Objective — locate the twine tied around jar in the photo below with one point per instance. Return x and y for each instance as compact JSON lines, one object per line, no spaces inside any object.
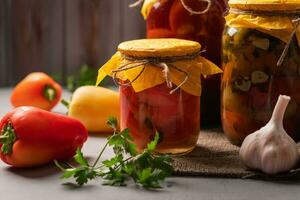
{"x":188,"y":8}
{"x":292,"y":13}
{"x":288,"y":44}
{"x":165,"y":63}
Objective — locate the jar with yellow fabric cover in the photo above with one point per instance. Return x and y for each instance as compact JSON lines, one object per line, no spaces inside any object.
{"x":261,"y":60}
{"x":160,"y":90}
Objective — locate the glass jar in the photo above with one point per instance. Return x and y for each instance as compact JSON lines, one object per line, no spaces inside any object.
{"x":160,"y":91}
{"x":253,"y":78}
{"x":170,"y":19}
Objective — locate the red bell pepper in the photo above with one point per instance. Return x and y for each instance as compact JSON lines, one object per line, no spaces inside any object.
{"x":38,"y":90}
{"x":32,"y":136}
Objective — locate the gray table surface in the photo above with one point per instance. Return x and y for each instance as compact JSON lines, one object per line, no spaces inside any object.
{"x":44,"y":183}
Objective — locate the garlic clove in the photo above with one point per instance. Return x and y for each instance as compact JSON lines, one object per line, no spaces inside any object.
{"x":249,"y":151}
{"x":271,"y":149}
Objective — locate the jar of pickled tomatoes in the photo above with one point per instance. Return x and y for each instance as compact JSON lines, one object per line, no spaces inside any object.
{"x":160,"y":89}
{"x":198,"y":20}
{"x":261,"y":60}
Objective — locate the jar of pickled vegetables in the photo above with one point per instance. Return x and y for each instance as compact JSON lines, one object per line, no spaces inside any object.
{"x":198,"y":20}
{"x":160,"y":89}
{"x":261,"y":60}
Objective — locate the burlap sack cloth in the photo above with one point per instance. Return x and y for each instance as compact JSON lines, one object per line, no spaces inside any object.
{"x":214,"y":156}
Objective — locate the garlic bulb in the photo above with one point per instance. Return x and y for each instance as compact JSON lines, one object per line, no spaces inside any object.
{"x":271,"y":149}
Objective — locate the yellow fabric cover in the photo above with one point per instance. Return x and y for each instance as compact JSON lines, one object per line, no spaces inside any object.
{"x":153,"y":75}
{"x":279,"y":27}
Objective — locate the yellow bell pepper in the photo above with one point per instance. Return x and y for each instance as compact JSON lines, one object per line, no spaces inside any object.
{"x":93,"y":105}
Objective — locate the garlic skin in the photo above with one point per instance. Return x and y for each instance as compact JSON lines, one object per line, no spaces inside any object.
{"x":271,"y":149}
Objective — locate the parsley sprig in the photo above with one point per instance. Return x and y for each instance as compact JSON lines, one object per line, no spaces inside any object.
{"x":146,"y":169}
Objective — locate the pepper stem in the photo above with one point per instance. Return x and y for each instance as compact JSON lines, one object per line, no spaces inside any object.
{"x":7,"y":139}
{"x":49,"y":92}
{"x":65,"y":103}
{"x":3,"y":137}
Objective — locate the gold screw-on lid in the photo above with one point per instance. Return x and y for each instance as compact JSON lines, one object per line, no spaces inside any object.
{"x":159,"y":47}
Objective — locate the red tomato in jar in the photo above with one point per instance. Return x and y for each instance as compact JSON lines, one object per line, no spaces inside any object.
{"x":159,"y":15}
{"x":158,"y":96}
{"x":160,"y":33}
{"x":141,"y":129}
{"x":129,"y":99}
{"x":182,"y":22}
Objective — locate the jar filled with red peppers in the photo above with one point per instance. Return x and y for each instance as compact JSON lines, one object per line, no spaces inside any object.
{"x":198,"y":20}
{"x":160,"y":89}
{"x":261,"y":60}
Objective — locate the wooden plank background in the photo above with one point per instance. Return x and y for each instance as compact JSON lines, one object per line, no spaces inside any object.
{"x":58,"y":36}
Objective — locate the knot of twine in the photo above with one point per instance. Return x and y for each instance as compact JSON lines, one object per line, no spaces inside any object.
{"x":188,"y":8}
{"x":292,"y":13}
{"x":165,"y":63}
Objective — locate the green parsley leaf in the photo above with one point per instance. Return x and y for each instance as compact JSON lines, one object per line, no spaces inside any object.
{"x":114,"y":161}
{"x":163,"y":162}
{"x":130,"y":148}
{"x":129,"y":168}
{"x":68,"y":173}
{"x":112,"y":122}
{"x":152,"y":145}
{"x":125,"y":134}
{"x":145,"y":174}
{"x":84,"y":175}
{"x":123,"y":143}
{"x":114,"y":177}
{"x":80,"y":158}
